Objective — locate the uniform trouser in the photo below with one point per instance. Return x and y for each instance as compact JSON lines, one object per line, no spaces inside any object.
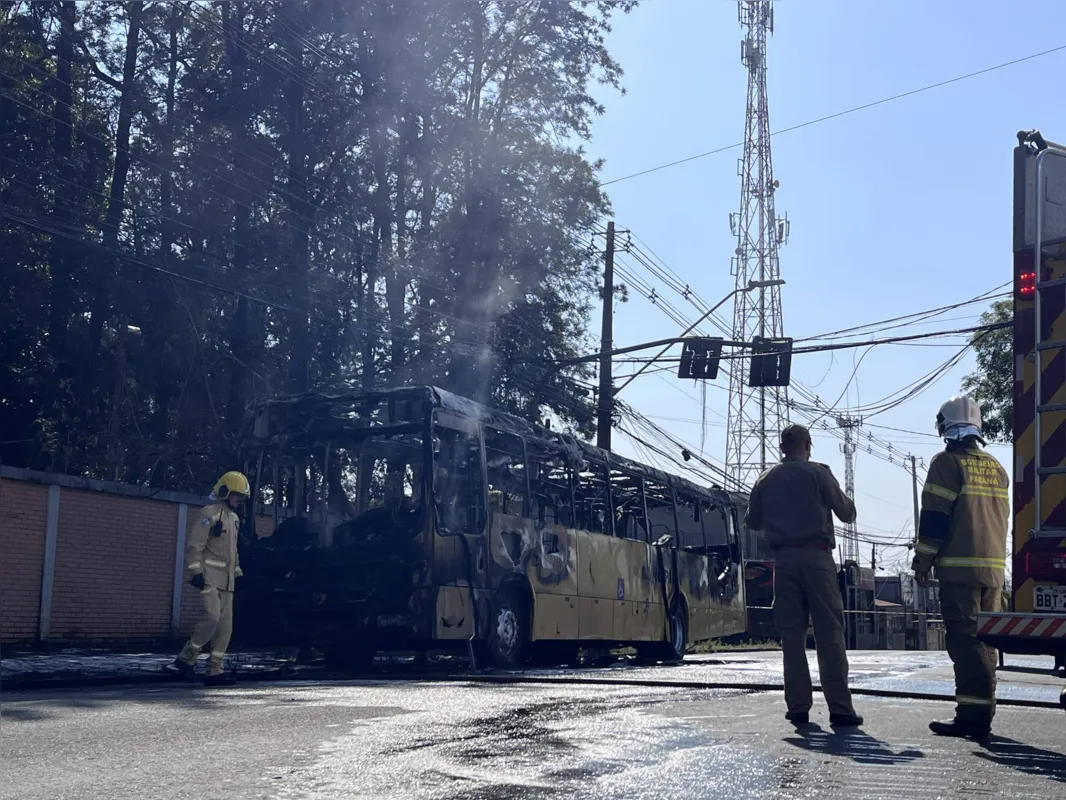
{"x":806,"y":588}
{"x":215,"y":626}
{"x":975,"y":662}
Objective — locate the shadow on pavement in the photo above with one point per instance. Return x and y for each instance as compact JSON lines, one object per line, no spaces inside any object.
{"x":1024,"y":757}
{"x":854,"y":744}
{"x":36,"y":707}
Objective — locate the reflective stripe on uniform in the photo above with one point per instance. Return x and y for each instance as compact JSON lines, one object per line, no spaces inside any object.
{"x":978,"y":491}
{"x":194,"y":565}
{"x":940,"y":491}
{"x":218,"y":655}
{"x":970,"y":700}
{"x":213,"y":563}
{"x":965,"y":561}
{"x":206,"y":590}
{"x":926,"y":549}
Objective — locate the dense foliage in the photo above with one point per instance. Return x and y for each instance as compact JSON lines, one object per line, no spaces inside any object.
{"x":992,"y":384}
{"x":202,"y":205}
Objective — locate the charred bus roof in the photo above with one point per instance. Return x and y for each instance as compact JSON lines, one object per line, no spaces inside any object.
{"x":312,"y":417}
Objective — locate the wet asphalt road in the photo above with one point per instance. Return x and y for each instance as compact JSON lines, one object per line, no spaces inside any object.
{"x":454,"y":740}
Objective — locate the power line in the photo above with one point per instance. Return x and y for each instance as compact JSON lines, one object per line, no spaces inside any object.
{"x":677,"y":284}
{"x":872,"y":446}
{"x":844,"y":113}
{"x":669,"y":440}
{"x":991,"y":294}
{"x":823,"y":347}
{"x":883,"y":450}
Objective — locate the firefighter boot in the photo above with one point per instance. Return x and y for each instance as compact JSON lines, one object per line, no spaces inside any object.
{"x":185,"y":664}
{"x":215,"y":676}
{"x":183,"y":669}
{"x":846,"y":720}
{"x":963,"y":729}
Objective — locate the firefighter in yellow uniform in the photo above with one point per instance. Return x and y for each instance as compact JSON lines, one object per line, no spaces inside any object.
{"x":963,"y":534}
{"x":213,"y":565}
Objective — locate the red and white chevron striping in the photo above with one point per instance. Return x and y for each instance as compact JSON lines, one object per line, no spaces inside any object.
{"x":1041,"y":626}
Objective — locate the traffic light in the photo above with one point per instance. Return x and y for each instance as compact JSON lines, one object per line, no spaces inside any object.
{"x":771,"y":362}
{"x":700,"y":358}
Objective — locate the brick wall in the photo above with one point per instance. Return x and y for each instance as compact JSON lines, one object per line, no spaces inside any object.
{"x":115,"y":554}
{"x":114,"y":572}
{"x":23,"y":514}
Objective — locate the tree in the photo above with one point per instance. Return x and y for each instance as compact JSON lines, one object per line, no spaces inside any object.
{"x":204,"y":204}
{"x":992,"y":384}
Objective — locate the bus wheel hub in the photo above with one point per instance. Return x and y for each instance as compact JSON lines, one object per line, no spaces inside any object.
{"x":507,"y":629}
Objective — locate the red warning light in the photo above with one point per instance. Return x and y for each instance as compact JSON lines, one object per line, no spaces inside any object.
{"x":1026,"y":285}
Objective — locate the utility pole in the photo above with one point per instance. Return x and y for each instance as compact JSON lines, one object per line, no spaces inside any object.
{"x":914,"y":486}
{"x":605,"y":404}
{"x":873,"y":558}
{"x":849,"y":424}
{"x":755,"y":415}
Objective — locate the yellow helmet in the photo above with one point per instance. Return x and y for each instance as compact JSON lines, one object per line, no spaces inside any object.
{"x":232,"y":483}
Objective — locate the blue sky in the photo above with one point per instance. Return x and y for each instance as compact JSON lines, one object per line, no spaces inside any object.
{"x":894,"y":209}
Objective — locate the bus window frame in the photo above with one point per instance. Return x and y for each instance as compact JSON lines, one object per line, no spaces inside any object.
{"x":643,"y":511}
{"x":541,"y":459}
{"x":736,"y":546}
{"x":643,"y":504}
{"x":673,"y":502}
{"x":527,"y":495}
{"x":652,"y":538}
{"x":697,"y":507}
{"x":605,"y":476}
{"x":470,"y":428}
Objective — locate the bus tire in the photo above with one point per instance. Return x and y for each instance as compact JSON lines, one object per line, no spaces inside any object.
{"x":671,"y":651}
{"x":674,"y":649}
{"x":508,"y":633}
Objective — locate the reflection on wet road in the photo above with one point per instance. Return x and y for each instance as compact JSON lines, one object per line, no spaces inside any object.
{"x":1024,"y":678}
{"x":460,"y":741}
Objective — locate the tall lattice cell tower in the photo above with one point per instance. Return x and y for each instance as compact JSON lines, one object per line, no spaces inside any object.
{"x":755,"y":415}
{"x":849,"y":547}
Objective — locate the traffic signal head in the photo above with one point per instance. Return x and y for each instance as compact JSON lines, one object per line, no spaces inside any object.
{"x":771,"y":362}
{"x":700,"y":358}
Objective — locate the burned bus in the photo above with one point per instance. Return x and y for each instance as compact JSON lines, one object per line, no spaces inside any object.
{"x":415,"y":519}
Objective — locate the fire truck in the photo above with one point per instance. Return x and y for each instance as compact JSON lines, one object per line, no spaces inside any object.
{"x":1036,"y":622}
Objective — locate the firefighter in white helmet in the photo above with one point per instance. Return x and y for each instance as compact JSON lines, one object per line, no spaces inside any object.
{"x":213,"y":566}
{"x":963,"y":534}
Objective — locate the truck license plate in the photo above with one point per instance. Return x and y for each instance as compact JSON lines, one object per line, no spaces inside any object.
{"x":1049,"y":598}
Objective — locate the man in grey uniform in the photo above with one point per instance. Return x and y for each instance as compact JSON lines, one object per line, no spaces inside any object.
{"x":793,"y":503}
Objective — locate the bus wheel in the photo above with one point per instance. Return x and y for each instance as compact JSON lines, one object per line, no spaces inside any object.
{"x":508,"y":630}
{"x":669,"y":652}
{"x":674,"y":650}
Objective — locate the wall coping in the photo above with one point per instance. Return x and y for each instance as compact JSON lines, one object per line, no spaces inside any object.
{"x":112,"y":488}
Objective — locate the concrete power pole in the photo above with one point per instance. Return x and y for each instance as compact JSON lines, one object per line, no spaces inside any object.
{"x":605,"y":404}
{"x":755,"y":415}
{"x":914,"y":488}
{"x":850,"y":548}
